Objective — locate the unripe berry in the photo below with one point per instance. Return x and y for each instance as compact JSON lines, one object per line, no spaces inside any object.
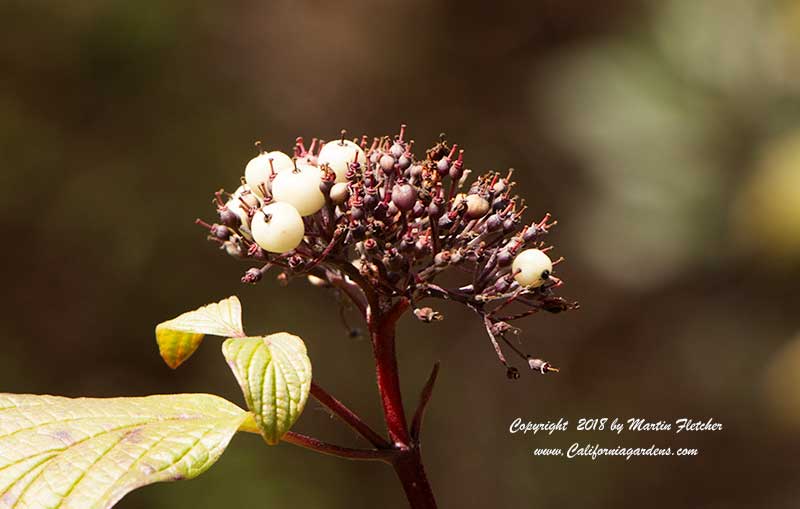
{"x":477,"y":206}
{"x":456,"y":171}
{"x":397,"y":150}
{"x":404,"y":161}
{"x":299,"y":188}
{"x":534,"y":268}
{"x":494,"y":223}
{"x":404,"y":196}
{"x":278,"y":228}
{"x":229,"y":217}
{"x":339,"y":193}
{"x":338,"y":155}
{"x":235,"y":206}
{"x":443,"y":166}
{"x":220,"y":231}
{"x":387,"y":162}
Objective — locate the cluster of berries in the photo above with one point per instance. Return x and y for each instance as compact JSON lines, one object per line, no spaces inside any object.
{"x":376,"y":223}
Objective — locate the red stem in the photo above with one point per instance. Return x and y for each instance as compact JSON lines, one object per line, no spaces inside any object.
{"x":408,"y":463}
{"x":348,"y":416}
{"x":314,"y":444}
{"x":382,"y":332}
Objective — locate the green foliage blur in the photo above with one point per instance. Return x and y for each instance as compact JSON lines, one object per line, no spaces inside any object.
{"x":664,"y":136}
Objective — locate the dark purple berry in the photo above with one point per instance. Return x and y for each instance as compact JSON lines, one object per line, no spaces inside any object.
{"x":229,"y":217}
{"x":220,"y":231}
{"x":494,"y":223}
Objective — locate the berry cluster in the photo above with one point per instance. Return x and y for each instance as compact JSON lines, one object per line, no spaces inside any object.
{"x":376,"y":223}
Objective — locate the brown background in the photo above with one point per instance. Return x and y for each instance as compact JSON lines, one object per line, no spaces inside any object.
{"x":655,"y":132}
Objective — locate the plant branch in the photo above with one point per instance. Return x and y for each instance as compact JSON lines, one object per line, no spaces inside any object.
{"x":349,"y":417}
{"x":307,"y":442}
{"x":427,"y":391}
{"x":382,"y":332}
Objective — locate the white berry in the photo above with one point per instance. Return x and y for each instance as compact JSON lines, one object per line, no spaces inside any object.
{"x":280,"y":161}
{"x":258,"y":170}
{"x":299,"y":188}
{"x":278,"y":227}
{"x":532,"y":268}
{"x":338,"y":155}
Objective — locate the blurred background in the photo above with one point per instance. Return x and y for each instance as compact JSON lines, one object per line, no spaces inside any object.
{"x":664,"y":136}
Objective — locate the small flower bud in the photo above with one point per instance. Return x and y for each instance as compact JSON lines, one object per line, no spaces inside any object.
{"x":252,"y":276}
{"x":541,"y":366}
{"x":427,"y":315}
{"x":442,"y":258}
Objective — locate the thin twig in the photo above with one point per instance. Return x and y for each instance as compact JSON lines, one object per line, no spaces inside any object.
{"x":348,"y":416}
{"x":427,"y":391}
{"x":307,"y":442}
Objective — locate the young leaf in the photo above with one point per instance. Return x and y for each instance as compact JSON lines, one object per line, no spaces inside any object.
{"x":179,"y":338}
{"x":88,"y":453}
{"x":275,"y":374}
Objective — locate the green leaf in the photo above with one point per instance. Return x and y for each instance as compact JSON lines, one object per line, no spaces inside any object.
{"x":179,"y":338}
{"x":88,"y":453}
{"x":275,"y":374}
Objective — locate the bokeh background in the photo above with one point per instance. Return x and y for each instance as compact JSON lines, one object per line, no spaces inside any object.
{"x":665,"y":137}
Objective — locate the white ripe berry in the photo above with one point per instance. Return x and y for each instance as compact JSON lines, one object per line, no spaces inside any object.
{"x":278,"y":228}
{"x":280,"y":161}
{"x":299,"y":188}
{"x":534,"y":268}
{"x":258,"y":170}
{"x":338,"y":154}
{"x":256,"y":173}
